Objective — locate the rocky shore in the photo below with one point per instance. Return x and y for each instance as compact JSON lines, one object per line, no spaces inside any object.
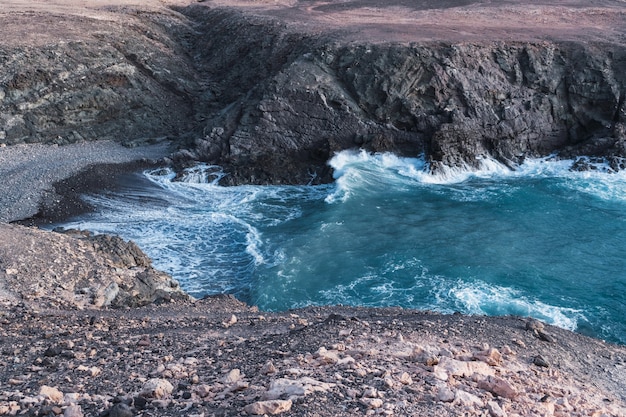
{"x":218,"y":357}
{"x":269,"y":90}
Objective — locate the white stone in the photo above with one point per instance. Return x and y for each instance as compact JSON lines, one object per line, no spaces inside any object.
{"x":157,"y":388}
{"x":405,"y":378}
{"x":371,"y":402}
{"x":495,"y":410}
{"x":203,"y":390}
{"x":231,"y":377}
{"x":231,"y":321}
{"x":268,"y":407}
{"x":490,"y":356}
{"x":461,"y":368}
{"x":466,"y":399}
{"x":295,"y":388}
{"x":326,"y":357}
{"x":445,"y":394}
{"x":190,"y":361}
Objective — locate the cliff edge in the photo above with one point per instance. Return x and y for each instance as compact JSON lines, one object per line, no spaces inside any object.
{"x":271,"y":90}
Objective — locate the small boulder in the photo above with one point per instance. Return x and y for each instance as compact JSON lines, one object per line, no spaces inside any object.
{"x":498,"y":386}
{"x":157,"y":388}
{"x":51,"y":393}
{"x":271,"y":407}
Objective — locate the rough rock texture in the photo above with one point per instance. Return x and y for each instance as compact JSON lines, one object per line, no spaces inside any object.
{"x":93,"y":77}
{"x":78,"y":270}
{"x":179,"y":359}
{"x":272,"y":89}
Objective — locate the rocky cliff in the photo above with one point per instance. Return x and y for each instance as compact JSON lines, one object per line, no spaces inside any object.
{"x":272,"y":98}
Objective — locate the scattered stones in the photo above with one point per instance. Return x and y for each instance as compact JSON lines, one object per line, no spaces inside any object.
{"x":371,"y":402}
{"x":376,"y":372}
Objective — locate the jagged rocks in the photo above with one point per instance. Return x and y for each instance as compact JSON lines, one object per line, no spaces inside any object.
{"x":268,"y":407}
{"x":272,"y":100}
{"x":79,"y":270}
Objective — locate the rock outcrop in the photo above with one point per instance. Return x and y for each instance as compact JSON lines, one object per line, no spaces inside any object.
{"x":272,"y":91}
{"x":78,"y":270}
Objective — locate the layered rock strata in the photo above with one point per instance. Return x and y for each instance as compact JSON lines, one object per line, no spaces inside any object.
{"x":272,"y":91}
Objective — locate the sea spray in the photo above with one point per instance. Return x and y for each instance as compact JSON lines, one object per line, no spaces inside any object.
{"x":540,"y":240}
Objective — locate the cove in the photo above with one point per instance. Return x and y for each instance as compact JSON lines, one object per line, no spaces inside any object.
{"x":540,"y":241}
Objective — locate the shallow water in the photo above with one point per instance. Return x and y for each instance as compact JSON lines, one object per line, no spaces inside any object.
{"x":540,"y":241}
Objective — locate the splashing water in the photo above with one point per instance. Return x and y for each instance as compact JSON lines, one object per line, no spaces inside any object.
{"x":539,"y":241}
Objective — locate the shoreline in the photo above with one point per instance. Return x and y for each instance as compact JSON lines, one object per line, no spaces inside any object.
{"x":69,"y":351}
{"x":271,"y":89}
{"x":31,"y":172}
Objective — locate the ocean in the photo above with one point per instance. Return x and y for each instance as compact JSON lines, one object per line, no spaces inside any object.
{"x":540,"y":241}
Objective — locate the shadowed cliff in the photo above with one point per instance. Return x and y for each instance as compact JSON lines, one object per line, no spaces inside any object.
{"x":271,"y":98}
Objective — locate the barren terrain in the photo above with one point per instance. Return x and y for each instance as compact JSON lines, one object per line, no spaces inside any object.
{"x":307,"y":78}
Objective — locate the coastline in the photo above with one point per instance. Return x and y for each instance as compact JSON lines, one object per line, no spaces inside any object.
{"x":31,"y":172}
{"x":70,"y":351}
{"x":89,"y":328}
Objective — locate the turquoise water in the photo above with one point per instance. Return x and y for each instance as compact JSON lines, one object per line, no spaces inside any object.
{"x":539,"y":241}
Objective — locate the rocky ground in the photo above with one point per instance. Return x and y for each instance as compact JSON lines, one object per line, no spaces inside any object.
{"x":90,"y":329}
{"x":270,"y":89}
{"x":218,"y":357}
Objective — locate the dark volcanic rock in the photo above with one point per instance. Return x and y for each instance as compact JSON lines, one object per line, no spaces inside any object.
{"x":455,"y":103}
{"x":271,"y":93}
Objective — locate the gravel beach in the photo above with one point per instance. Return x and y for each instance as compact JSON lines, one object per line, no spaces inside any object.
{"x":28,"y":172}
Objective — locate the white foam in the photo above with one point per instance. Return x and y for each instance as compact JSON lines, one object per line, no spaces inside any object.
{"x":356,"y":172}
{"x":481,"y":298}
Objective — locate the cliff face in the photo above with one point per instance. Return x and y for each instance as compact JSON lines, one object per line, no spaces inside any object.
{"x":94,"y":78}
{"x":272,"y":101}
